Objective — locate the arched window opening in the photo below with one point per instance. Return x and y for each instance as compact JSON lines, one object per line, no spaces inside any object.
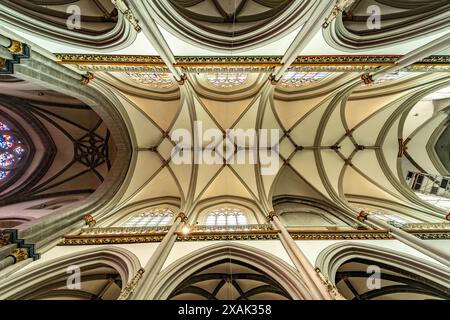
{"x":387,"y":217}
{"x":93,"y":274}
{"x":226,"y":217}
{"x":226,"y":80}
{"x":371,"y":272}
{"x":154,"y":218}
{"x":430,"y":188}
{"x":229,"y":279}
{"x":300,"y":79}
{"x":100,"y":283}
{"x":361,"y":279}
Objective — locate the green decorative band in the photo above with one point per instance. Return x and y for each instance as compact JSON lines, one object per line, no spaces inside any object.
{"x":342,"y":236}
{"x":228,"y":237}
{"x":433,"y":235}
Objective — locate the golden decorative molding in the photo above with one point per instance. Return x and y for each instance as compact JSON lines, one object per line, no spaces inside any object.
{"x":101,"y":59}
{"x":428,"y":235}
{"x":129,"y":289}
{"x":361,"y":60}
{"x":111,"y":231}
{"x":203,"y":236}
{"x":118,"y":235}
{"x":119,"y":68}
{"x":111,"y":239}
{"x":331,"y":288}
{"x":90,"y":220}
{"x":428,"y":231}
{"x":248,"y":61}
{"x":248,"y":64}
{"x":19,"y":254}
{"x":16,"y":47}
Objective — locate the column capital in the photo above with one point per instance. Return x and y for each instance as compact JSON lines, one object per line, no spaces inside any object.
{"x":271,"y":216}
{"x":362,"y":216}
{"x":182,"y":216}
{"x":273,"y":80}
{"x":182,"y":80}
{"x":367,"y":78}
{"x":19,"y":254}
{"x":86,"y":79}
{"x":16,"y":47}
{"x":90,"y":220}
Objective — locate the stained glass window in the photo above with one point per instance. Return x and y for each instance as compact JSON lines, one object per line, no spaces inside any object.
{"x":153,"y":218}
{"x":154,"y":80}
{"x":438,"y":95}
{"x":226,"y":217}
{"x":12,"y":151}
{"x":226,"y":80}
{"x":300,"y":79}
{"x":389,"y":218}
{"x":390,"y":77}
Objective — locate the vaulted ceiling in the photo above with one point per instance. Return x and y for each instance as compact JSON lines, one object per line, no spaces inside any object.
{"x":341,"y":142}
{"x":70,"y":148}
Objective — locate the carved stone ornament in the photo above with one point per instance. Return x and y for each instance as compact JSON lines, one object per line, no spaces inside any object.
{"x":128,"y":14}
{"x":16,"y":47}
{"x":338,"y":8}
{"x":85,"y":80}
{"x":90,"y":221}
{"x":182,"y":80}
{"x":182,"y":216}
{"x":367,"y":78}
{"x":129,"y":289}
{"x":20,"y":254}
{"x":330,"y":287}
{"x":362,"y":216}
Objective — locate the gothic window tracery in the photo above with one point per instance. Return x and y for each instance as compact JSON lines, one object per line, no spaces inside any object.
{"x":300,"y":79}
{"x":226,"y":80}
{"x":390,"y":77}
{"x":151,"y":79}
{"x":154,"y":218}
{"x":226,"y":217}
